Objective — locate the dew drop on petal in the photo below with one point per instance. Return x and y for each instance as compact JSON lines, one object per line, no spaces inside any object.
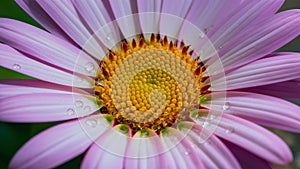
{"x":70,"y":111}
{"x":202,"y":35}
{"x":108,"y":37}
{"x":229,"y":130}
{"x":193,"y":145}
{"x":89,"y":67}
{"x":16,"y":66}
{"x":187,"y":152}
{"x":91,"y":122}
{"x":78,"y":103}
{"x":211,"y":117}
{"x":205,"y":124}
{"x":226,"y":106}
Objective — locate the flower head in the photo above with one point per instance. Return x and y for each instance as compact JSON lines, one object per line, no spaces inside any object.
{"x":152,"y":84}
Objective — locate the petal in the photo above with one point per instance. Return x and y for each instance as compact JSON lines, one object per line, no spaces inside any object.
{"x":254,"y":138}
{"x":94,"y":12}
{"x":145,"y":151}
{"x":262,"y":109}
{"x":149,"y":15}
{"x":22,"y":86}
{"x":212,"y":152}
{"x":108,"y":151}
{"x":128,"y":23}
{"x":12,"y":59}
{"x":97,"y":16}
{"x":173,"y":13}
{"x":248,"y":14}
{"x":176,"y":7}
{"x":274,"y":69}
{"x":45,"y":47}
{"x":288,"y":90}
{"x":206,"y":14}
{"x":65,"y":15}
{"x":179,"y":150}
{"x":41,"y":107}
{"x":36,"y":12}
{"x":247,"y":159}
{"x":260,"y":40}
{"x":58,"y":144}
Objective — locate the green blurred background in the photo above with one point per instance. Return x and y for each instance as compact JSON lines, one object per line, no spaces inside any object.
{"x":13,"y":136}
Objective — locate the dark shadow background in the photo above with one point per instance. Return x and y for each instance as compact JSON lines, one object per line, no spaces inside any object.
{"x":13,"y":136}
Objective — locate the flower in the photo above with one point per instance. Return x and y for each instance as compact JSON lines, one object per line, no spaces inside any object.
{"x":152,"y":84}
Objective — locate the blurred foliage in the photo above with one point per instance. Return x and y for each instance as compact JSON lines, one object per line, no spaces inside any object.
{"x":14,"y":135}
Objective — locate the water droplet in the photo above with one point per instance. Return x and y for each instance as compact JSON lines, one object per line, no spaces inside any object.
{"x":226,"y":106}
{"x":89,"y":67}
{"x":187,"y":152}
{"x":70,"y":111}
{"x":16,"y":67}
{"x":205,"y":124}
{"x":229,"y":130}
{"x":78,"y":103}
{"x":193,"y":145}
{"x":202,"y":35}
{"x":91,"y":122}
{"x":211,"y":117}
{"x":87,"y":109}
{"x":108,"y":37}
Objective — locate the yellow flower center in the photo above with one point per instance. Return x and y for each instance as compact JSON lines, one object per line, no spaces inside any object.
{"x":149,"y":83}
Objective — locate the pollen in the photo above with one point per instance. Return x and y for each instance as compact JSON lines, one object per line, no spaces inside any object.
{"x":149,"y":83}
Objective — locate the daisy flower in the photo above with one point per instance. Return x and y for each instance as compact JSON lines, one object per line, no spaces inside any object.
{"x":153,"y":84}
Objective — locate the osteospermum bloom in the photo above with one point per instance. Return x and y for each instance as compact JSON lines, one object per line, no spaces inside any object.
{"x":153,"y":84}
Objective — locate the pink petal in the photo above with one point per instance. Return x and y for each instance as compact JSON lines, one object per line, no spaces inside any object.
{"x":128,"y":23}
{"x":173,"y":13}
{"x":264,"y":110}
{"x":41,"y":107}
{"x":275,"y":69}
{"x":145,"y":151}
{"x":206,"y":14}
{"x":260,"y":40}
{"x":247,"y":159}
{"x":254,"y":138}
{"x":36,"y":12}
{"x":97,"y":16}
{"x":149,"y":15}
{"x":58,"y":144}
{"x":212,"y":152}
{"x":94,"y":12}
{"x":108,"y":151}
{"x":288,"y":90}
{"x":179,"y":150}
{"x":22,"y":86}
{"x":247,"y":15}
{"x":12,"y":59}
{"x":176,"y":7}
{"x":65,"y":15}
{"x":45,"y":47}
